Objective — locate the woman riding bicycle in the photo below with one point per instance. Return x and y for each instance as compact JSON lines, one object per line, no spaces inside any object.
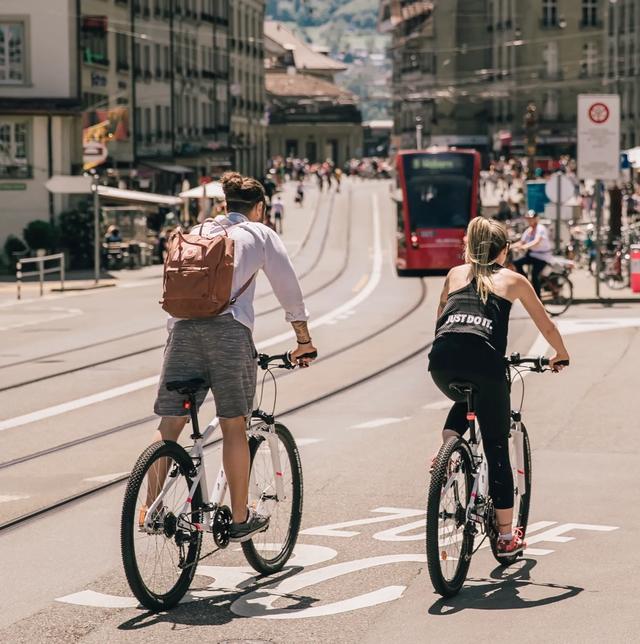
{"x":470,"y":344}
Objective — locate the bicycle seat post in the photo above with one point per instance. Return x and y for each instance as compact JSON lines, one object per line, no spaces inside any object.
{"x":191,"y":405}
{"x":471,"y":416}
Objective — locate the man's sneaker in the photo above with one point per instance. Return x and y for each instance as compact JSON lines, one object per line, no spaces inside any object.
{"x":254,"y":524}
{"x":512,"y":547}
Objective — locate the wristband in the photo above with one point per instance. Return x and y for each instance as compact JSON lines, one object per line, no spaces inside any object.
{"x":307,"y":342}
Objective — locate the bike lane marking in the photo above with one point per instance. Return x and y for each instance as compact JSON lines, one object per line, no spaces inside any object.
{"x":328,"y":318}
{"x":380,"y":422}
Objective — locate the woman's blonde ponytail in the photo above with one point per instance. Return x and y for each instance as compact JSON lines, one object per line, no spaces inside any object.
{"x":485,"y":239}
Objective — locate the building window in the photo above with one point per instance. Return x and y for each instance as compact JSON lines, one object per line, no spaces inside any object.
{"x":13,"y":52}
{"x":94,"y":40}
{"x":551,"y":59}
{"x":551,"y":110}
{"x":632,"y":17}
{"x":589,"y":13}
{"x":14,"y":151}
{"x":589,"y":60}
{"x":122,"y":52}
{"x":549,"y":13}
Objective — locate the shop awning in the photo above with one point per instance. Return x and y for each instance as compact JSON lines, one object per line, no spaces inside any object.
{"x":213,"y":190}
{"x":138,"y":196}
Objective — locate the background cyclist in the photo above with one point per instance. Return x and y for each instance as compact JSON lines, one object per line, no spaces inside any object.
{"x":221,"y":350}
{"x":470,"y":345}
{"x":537,"y":246}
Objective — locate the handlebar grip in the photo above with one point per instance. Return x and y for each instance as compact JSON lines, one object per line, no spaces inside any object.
{"x":563,"y":363}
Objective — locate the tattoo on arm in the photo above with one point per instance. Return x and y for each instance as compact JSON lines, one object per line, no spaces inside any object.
{"x":301,"y":330}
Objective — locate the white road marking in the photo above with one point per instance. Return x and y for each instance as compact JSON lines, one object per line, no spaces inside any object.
{"x":380,"y":422}
{"x":336,"y":529}
{"x":569,"y":326}
{"x":361,"y":283}
{"x":7,"y":498}
{"x":105,"y":478}
{"x":58,"y":314}
{"x":56,"y":410}
{"x":63,"y":408}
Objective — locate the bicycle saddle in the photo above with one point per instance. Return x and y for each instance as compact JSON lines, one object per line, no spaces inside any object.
{"x":186,"y":387}
{"x":462,"y":387}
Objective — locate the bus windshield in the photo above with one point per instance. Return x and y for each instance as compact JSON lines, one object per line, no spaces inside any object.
{"x":439,"y":188}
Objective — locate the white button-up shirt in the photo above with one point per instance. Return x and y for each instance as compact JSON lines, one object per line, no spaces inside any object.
{"x":256,"y":247}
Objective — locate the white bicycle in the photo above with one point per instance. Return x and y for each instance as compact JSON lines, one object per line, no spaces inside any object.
{"x":161,"y":529}
{"x":459,"y":506}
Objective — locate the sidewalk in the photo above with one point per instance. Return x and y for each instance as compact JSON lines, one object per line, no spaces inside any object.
{"x":584,"y":291}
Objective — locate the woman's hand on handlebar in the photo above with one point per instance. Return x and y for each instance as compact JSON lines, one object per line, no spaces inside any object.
{"x":558,"y":358}
{"x":303,"y":355}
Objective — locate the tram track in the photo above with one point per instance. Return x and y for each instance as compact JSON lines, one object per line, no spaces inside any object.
{"x":141,"y":421}
{"x":66,"y":501}
{"x":157,"y":347}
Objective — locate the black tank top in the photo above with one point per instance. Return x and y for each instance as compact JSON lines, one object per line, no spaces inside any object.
{"x":466,"y":313}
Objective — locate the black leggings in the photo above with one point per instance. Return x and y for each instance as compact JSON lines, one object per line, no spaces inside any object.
{"x":493,"y":409}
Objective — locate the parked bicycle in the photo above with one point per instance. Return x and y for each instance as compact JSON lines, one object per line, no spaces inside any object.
{"x":162,"y":530}
{"x":459,"y":507}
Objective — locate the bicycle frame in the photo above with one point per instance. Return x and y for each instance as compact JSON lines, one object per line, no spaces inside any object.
{"x":259,"y":426}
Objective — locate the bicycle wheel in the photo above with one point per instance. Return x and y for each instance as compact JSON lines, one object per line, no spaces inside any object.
{"x":522,"y":499}
{"x":556,"y":293}
{"x":160,"y":563}
{"x":270,"y":550}
{"x":449,"y":544}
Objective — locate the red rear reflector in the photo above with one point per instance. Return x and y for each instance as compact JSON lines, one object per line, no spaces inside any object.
{"x":278,"y":473}
{"x":471,"y":416}
{"x":186,"y":404}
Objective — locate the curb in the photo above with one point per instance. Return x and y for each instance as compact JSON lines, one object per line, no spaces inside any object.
{"x":93,"y":287}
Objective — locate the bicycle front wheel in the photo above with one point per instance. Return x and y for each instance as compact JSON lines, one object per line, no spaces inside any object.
{"x":160,"y":553}
{"x":522,"y":492}
{"x":449,"y":544}
{"x":556,"y":293}
{"x":269,"y":551}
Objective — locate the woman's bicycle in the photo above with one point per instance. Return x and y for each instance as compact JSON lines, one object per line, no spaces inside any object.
{"x":162,"y":529}
{"x":459,"y":507}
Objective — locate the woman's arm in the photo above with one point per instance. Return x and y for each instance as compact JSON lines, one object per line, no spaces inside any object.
{"x":444,"y":295}
{"x":546,"y":326}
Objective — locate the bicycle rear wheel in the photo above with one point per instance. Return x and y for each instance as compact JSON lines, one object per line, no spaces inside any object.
{"x":556,"y":293}
{"x":269,"y":551}
{"x":160,"y":562}
{"x":449,"y":544}
{"x":521,"y":500}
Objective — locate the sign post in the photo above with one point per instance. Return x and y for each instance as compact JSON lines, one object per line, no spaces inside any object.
{"x":559,"y":189}
{"x":599,"y":151}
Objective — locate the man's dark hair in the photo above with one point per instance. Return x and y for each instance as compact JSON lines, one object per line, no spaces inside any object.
{"x":241,"y":193}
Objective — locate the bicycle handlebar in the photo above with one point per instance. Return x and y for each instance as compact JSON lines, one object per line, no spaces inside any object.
{"x":537,"y":363}
{"x":265,"y":361}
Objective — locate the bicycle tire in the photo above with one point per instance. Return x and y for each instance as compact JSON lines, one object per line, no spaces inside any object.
{"x":443,"y":586}
{"x":524,"y":501}
{"x":151,"y":600}
{"x":251,"y":549}
{"x":561,"y":308}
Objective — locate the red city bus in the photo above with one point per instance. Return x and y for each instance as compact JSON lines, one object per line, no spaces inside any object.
{"x":437,"y":196}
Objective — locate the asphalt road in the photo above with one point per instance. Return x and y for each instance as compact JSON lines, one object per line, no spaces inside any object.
{"x":76,"y":390}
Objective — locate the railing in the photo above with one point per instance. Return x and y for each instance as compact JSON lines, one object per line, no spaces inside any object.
{"x":40,"y":272}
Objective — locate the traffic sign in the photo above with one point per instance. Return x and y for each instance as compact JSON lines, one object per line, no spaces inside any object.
{"x":69,"y":185}
{"x":94,"y":154}
{"x":599,"y":136}
{"x":559,"y":188}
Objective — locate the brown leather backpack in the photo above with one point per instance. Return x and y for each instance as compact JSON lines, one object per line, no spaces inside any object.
{"x":198,"y":274}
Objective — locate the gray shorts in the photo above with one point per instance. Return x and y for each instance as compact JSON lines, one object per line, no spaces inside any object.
{"x":221,"y":351}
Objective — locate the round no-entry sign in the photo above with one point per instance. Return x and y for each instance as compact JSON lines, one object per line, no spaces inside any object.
{"x":598,"y":113}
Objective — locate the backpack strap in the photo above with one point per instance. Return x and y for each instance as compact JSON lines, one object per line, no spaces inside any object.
{"x":233,"y":300}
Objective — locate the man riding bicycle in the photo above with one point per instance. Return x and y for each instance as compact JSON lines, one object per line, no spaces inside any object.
{"x":220,"y":349}
{"x":537,"y":246}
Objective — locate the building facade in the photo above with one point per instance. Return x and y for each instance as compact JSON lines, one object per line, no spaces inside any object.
{"x":309,"y":115}
{"x":40,"y":105}
{"x":466,"y":71}
{"x":156,"y":90}
{"x":248,"y":124}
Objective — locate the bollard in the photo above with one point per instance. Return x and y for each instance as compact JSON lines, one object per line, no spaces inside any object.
{"x":635,"y":269}
{"x":19,"y":278}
